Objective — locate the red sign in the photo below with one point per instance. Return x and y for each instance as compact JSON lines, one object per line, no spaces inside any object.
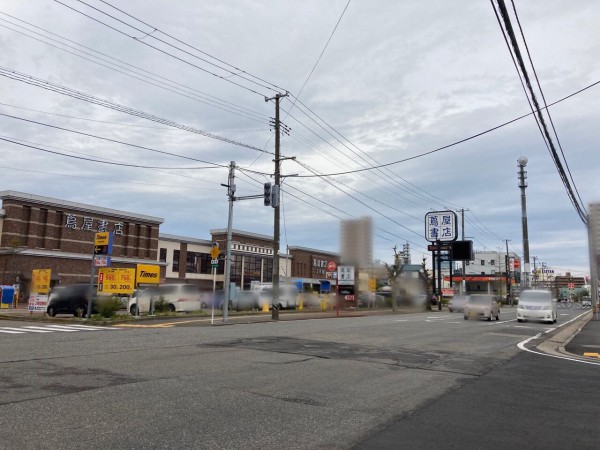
{"x":331,"y":266}
{"x":571,"y":285}
{"x":517,"y":263}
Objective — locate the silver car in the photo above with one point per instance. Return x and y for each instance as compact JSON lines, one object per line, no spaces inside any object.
{"x":481,"y":306}
{"x":537,"y":304}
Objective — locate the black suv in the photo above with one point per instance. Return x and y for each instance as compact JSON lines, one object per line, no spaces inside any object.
{"x":71,"y":299}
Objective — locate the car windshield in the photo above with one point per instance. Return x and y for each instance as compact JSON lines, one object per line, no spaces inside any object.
{"x":480,"y":300}
{"x":535,"y":297}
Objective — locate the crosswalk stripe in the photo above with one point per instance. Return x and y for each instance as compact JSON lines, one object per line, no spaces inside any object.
{"x":11,"y":332}
{"x":57,"y":328}
{"x":90,"y":327}
{"x":34,"y":329}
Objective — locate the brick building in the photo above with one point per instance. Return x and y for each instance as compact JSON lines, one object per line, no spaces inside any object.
{"x":39,"y":232}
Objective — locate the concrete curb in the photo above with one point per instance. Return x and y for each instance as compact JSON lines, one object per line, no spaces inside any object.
{"x":556,"y":344}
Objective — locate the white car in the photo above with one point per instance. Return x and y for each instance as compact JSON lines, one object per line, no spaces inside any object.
{"x":180,"y":298}
{"x":586,"y":301}
{"x":537,"y":304}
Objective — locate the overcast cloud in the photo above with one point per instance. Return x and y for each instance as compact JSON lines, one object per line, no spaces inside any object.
{"x":397,"y":79}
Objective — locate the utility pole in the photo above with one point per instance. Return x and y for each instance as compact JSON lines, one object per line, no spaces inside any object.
{"x":523,"y":185}
{"x":508,"y":277}
{"x":463,"y":285}
{"x":276,"y":211}
{"x":231,"y":195}
{"x":535,"y":276}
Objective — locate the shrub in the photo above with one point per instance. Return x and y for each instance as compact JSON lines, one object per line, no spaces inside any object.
{"x":108,"y":307}
{"x":161,"y":305}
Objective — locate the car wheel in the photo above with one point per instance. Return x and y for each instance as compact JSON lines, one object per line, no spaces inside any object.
{"x":519,"y":320}
{"x":498,"y":316}
{"x":132,"y":310}
{"x":465,"y":317}
{"x":203,"y":305}
{"x":450,"y":310}
{"x":171,"y":307}
{"x":490,"y":318}
{"x":51,"y":311}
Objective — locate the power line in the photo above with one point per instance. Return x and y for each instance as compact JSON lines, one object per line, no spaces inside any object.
{"x":147,"y":34}
{"x":452,"y":144}
{"x":544,"y":100}
{"x":195,"y":48}
{"x":160,"y":81}
{"x":24,"y":78}
{"x":545,"y":134}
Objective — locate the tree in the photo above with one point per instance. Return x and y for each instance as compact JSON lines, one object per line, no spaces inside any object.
{"x":425,"y":276}
{"x":394,"y":271}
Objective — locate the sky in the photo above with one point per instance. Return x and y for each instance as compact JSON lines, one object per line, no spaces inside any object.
{"x":374,"y":90}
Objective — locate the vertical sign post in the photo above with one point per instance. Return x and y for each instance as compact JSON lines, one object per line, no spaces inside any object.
{"x":214,"y":263}
{"x":102,"y":246}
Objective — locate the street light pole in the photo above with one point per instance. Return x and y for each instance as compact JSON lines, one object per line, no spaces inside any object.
{"x":523,"y":185}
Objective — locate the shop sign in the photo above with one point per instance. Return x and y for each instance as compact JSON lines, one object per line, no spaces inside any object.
{"x":147,"y":274}
{"x":40,"y":281}
{"x":38,"y":302}
{"x":87,"y":223}
{"x":346,"y":275}
{"x":441,"y":226}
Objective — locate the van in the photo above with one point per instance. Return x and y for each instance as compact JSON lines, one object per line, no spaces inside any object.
{"x":179,"y":297}
{"x":537,"y":304}
{"x":288,"y":295}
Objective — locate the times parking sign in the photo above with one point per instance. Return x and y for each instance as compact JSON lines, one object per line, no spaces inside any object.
{"x":441,"y":226}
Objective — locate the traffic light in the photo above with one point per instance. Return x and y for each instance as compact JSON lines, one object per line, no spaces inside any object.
{"x":267,"y":194}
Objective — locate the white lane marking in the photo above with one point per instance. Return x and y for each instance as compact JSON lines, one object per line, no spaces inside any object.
{"x":440,"y":317}
{"x":11,"y":332}
{"x":502,"y":321}
{"x":402,"y":320}
{"x":522,"y":344}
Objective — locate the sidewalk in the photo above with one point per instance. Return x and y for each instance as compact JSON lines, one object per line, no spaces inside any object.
{"x":587,"y":341}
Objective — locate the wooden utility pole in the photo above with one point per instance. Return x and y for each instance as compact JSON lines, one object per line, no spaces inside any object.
{"x":276,"y":211}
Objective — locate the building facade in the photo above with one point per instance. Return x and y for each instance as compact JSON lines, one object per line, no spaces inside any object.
{"x":39,"y":232}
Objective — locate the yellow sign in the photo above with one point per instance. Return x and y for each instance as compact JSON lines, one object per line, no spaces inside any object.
{"x":40,"y":281}
{"x":214,"y":252}
{"x":147,"y":274}
{"x":372,"y":284}
{"x":116,"y":281}
{"x":102,"y":238}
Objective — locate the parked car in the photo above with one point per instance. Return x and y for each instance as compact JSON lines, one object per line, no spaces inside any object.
{"x":586,"y":301}
{"x":287,"y":299}
{"x":481,"y":306}
{"x":179,"y":297}
{"x":537,"y":304}
{"x":246,"y":300}
{"x":72,"y":299}
{"x":457,"y":303}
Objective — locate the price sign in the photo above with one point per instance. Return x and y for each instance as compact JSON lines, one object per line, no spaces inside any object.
{"x":116,"y":281}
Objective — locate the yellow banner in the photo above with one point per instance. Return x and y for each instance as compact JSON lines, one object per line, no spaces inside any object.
{"x":116,"y":281}
{"x":372,"y":284}
{"x":40,"y":281}
{"x":147,"y":274}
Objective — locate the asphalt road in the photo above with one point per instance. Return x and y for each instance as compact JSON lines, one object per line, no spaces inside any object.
{"x":389,"y":381}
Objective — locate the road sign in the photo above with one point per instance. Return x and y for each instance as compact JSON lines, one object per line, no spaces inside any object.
{"x":116,"y":281}
{"x":571,"y":285}
{"x":331,"y":266}
{"x":215,"y":252}
{"x":214,"y":263}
